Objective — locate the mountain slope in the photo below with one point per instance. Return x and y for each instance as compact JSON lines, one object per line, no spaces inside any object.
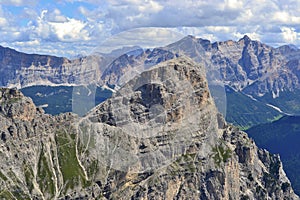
{"x":245,"y":112}
{"x":241,"y":64}
{"x":282,"y":137}
{"x":158,"y":137}
{"x":22,"y":70}
{"x":60,"y":99}
{"x":270,"y":75}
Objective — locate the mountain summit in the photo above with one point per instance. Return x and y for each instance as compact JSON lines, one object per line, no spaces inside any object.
{"x":159,"y":137}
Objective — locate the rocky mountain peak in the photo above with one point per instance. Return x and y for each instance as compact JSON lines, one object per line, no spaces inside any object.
{"x":158,"y":137}
{"x":15,"y":105}
{"x":246,"y":39}
{"x":172,"y":90}
{"x":164,"y":132}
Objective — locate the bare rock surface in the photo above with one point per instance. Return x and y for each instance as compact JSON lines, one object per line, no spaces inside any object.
{"x":159,"y":137}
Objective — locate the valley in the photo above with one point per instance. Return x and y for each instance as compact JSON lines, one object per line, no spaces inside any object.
{"x":254,"y":86}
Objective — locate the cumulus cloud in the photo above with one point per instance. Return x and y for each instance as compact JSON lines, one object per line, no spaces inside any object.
{"x":71,"y":30}
{"x":149,"y":37}
{"x":56,"y":16}
{"x":289,"y":34}
{"x":274,"y":22}
{"x":57,"y":28}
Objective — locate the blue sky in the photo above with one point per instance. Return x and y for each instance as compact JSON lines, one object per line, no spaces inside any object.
{"x":76,"y":27}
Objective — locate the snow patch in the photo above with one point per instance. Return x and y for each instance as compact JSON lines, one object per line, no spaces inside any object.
{"x":251,"y":97}
{"x":44,"y":106}
{"x":260,"y":94}
{"x":275,"y":95}
{"x":276,"y":108}
{"x":108,"y":88}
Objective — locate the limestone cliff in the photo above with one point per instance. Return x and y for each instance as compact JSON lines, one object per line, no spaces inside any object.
{"x":158,"y":137}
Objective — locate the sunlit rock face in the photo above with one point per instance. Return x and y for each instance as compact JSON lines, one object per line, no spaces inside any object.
{"x":246,"y":65}
{"x":159,"y":137}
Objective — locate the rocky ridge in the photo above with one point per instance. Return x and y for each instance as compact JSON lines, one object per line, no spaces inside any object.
{"x":22,"y":70}
{"x":158,"y":137}
{"x":245,"y":65}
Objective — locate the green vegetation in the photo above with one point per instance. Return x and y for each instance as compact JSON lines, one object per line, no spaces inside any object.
{"x":282,"y":136}
{"x":10,"y":101}
{"x":221,"y":154}
{"x":185,"y":163}
{"x":73,"y":174}
{"x":59,"y":98}
{"x":244,"y":112}
{"x":13,"y":100}
{"x":28,"y":172}
{"x":288,"y":101}
{"x":45,"y":176}
{"x":3,"y":177}
{"x":93,"y":167}
{"x":13,"y":177}
{"x":5,"y":194}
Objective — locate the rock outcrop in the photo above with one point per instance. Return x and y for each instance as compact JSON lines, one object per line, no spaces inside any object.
{"x":159,"y":137}
{"x":22,"y":70}
{"x":246,"y":65}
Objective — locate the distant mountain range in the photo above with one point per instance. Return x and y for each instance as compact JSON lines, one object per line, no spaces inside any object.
{"x":159,"y":136}
{"x":246,"y":65}
{"x":266,"y":78}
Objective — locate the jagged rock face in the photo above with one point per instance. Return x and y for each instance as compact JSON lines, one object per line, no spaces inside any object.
{"x":14,"y":66}
{"x":125,"y":67}
{"x":21,"y":70}
{"x":245,"y":65}
{"x":159,"y":137}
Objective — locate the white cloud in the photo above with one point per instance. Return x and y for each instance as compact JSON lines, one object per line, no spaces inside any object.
{"x":252,"y":35}
{"x":56,"y":16}
{"x":289,"y":34}
{"x":59,"y":29}
{"x":271,"y":21}
{"x":71,"y":30}
{"x":149,"y":37}
{"x":32,"y":43}
{"x":285,"y":17}
{"x":234,"y":4}
{"x":3,"y":22}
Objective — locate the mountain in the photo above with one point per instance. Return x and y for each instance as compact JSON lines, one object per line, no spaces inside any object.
{"x":22,"y":70}
{"x":269,"y":75}
{"x":158,"y":137}
{"x":246,"y":65}
{"x":61,"y":99}
{"x":238,"y":65}
{"x":282,"y":137}
{"x":125,"y":67}
{"x":242,"y":64}
{"x":246,"y":112}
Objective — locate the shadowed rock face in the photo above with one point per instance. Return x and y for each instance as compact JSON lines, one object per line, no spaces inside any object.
{"x":22,"y":70}
{"x":158,"y":137}
{"x":250,"y":66}
{"x":246,"y":65}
